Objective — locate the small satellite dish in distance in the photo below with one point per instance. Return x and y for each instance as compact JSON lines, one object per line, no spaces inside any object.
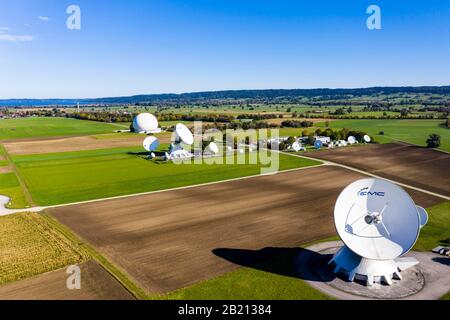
{"x":213,"y":148}
{"x":367,"y":138}
{"x":351,"y":140}
{"x":184,"y":134}
{"x":318,"y":144}
{"x":151,"y":143}
{"x":296,"y":146}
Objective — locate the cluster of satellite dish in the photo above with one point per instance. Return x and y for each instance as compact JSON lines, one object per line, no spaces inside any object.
{"x":182,"y":139}
{"x":379,"y":223}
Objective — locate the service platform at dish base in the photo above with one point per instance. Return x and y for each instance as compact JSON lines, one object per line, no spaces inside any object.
{"x":181,"y":138}
{"x":379,"y":223}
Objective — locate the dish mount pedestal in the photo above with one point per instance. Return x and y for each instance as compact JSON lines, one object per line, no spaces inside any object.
{"x":369,"y":270}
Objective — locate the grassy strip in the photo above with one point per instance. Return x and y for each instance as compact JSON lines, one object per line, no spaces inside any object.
{"x":50,"y":127}
{"x":274,"y":279}
{"x":437,"y":230}
{"x":87,"y":175}
{"x":445,"y":297}
{"x":10,"y":187}
{"x":411,"y":131}
{"x":117,"y":273}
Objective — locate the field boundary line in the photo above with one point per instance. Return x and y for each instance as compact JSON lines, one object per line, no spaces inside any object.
{"x":185,"y":187}
{"x":331,"y":163}
{"x":43,"y":208}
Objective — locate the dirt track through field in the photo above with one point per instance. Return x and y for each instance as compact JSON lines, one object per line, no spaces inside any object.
{"x":96,"y":284}
{"x":69,"y":144}
{"x":416,"y":166}
{"x":165,"y":241}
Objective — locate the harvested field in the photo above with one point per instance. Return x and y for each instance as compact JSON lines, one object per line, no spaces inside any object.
{"x":69,"y":144}
{"x":164,"y":241}
{"x":417,"y":166}
{"x":29,"y":246}
{"x":96,"y":284}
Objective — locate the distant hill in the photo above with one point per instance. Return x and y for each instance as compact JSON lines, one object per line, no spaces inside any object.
{"x":232,"y":95}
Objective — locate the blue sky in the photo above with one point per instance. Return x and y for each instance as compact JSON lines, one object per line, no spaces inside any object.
{"x":137,"y":47}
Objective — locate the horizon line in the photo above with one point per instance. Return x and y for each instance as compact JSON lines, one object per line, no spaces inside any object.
{"x":231,"y":90}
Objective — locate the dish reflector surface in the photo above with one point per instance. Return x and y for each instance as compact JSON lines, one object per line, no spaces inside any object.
{"x":367,"y":138}
{"x":351,"y":139}
{"x":377,"y":219}
{"x":296,"y":146}
{"x":213,"y":147}
{"x":151,"y":143}
{"x":423,"y":215}
{"x":145,"y":122}
{"x":184,"y":134}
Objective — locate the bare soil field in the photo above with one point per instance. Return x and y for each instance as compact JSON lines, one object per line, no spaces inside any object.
{"x":164,"y":241}
{"x":68,"y":144}
{"x":417,"y":166}
{"x":96,"y":284}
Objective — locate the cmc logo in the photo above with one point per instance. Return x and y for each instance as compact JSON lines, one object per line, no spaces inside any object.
{"x":365,"y":193}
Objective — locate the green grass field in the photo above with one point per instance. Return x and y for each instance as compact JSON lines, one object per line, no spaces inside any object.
{"x":50,"y":127}
{"x":29,"y":246}
{"x":411,"y":131}
{"x":9,"y":186}
{"x":446,"y":297}
{"x":254,"y":284}
{"x":437,"y":230}
{"x":85,"y":175}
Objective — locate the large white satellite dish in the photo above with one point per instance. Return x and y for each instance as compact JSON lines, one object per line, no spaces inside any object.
{"x":145,"y":123}
{"x":367,"y":138}
{"x":183,"y":134}
{"x":378,"y":222}
{"x":151,"y":143}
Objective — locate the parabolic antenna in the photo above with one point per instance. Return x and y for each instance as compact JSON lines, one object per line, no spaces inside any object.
{"x":351,"y":140}
{"x":296,"y":146}
{"x":423,"y":215}
{"x":367,"y":138}
{"x":378,"y":222}
{"x":318,"y":144}
{"x":151,"y":143}
{"x":213,"y":148}
{"x":145,"y":122}
{"x":183,"y":134}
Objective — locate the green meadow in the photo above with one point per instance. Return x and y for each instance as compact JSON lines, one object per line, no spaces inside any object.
{"x":437,"y":230}
{"x":9,"y":186}
{"x":50,"y":127}
{"x":411,"y":131}
{"x":84,"y":175}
